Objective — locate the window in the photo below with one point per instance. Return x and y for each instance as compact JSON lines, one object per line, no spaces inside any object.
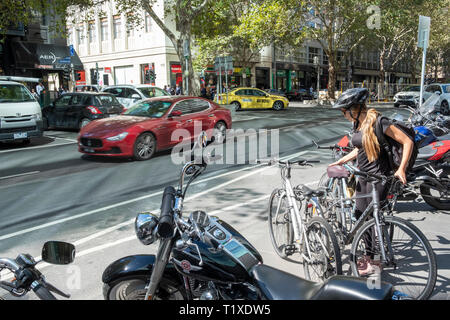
{"x":152,"y":92}
{"x":199,"y":105}
{"x":117,"y":26}
{"x":80,"y":34}
{"x":325,"y":59}
{"x":76,"y":99}
{"x":313,"y":52}
{"x":107,"y":100}
{"x":241,"y":93}
{"x":14,"y":93}
{"x":92,"y":32}
{"x":63,"y":101}
{"x":257,"y":93}
{"x":184,"y":106}
{"x":148,"y":23}
{"x":104,"y":30}
{"x":151,"y":109}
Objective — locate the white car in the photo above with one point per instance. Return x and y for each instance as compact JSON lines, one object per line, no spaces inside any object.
{"x":442,"y":89}
{"x":410,"y":97}
{"x":130,"y":94}
{"x":20,"y":113}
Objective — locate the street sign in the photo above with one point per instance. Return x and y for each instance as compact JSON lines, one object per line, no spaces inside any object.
{"x":72,"y":50}
{"x":424,"y":32}
{"x":186,"y":48}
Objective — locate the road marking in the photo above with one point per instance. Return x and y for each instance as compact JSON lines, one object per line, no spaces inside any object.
{"x":19,"y":175}
{"x":37,"y":147}
{"x":49,"y":224}
{"x":130,"y":238}
{"x":72,"y":140}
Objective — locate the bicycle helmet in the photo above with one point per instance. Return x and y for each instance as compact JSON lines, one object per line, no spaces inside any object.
{"x":351,"y":97}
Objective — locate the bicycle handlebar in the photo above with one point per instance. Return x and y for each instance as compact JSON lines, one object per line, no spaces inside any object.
{"x":357,"y":172}
{"x":288,"y":162}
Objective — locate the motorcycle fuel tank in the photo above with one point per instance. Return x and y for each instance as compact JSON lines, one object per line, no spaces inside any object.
{"x":226,"y":255}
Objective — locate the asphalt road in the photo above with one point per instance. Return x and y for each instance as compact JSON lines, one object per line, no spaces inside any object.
{"x":49,"y":191}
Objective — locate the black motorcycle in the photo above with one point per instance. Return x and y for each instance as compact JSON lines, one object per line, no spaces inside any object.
{"x":205,"y":258}
{"x":28,"y":278}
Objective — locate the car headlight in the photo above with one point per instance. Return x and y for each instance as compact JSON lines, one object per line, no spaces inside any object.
{"x":119,"y":137}
{"x":145,"y":226}
{"x":37,"y":116}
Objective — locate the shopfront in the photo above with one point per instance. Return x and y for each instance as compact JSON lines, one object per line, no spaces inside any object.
{"x":262,"y":78}
{"x":176,"y":74}
{"x":51,"y":63}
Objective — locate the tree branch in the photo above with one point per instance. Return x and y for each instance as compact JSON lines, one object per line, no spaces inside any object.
{"x":147,"y":7}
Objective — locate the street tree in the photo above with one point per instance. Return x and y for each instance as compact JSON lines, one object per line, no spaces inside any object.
{"x":338,"y":26}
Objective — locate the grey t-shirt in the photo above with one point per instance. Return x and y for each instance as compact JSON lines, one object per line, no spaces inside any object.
{"x":380,"y":165}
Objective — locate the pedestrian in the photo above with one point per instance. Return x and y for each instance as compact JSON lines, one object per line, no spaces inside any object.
{"x":165,"y":88}
{"x":172,"y":91}
{"x":39,"y":88}
{"x":35,"y":95}
{"x":203,"y":92}
{"x":178,"y":90}
{"x":370,"y":157}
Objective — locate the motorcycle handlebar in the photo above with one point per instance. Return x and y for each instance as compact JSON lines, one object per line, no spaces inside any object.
{"x":42,"y":292}
{"x":166,"y":222}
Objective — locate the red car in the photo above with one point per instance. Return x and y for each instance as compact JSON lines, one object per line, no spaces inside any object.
{"x":147,"y":127}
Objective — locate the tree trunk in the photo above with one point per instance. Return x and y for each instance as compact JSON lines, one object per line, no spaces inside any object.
{"x":382,"y":82}
{"x":332,"y":76}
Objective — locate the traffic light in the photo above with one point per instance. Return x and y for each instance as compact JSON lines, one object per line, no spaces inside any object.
{"x":77,"y":76}
{"x":66,"y":75}
{"x":152,"y":75}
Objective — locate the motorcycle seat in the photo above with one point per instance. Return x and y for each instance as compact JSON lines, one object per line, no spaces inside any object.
{"x":279,"y":285}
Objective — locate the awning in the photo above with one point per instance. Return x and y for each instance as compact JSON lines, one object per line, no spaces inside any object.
{"x":44,"y":56}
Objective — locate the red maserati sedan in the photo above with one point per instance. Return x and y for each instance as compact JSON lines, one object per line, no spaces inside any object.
{"x":147,"y":127}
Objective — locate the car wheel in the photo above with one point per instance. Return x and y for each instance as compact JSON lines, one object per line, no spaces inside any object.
{"x":444,"y":107}
{"x":220,"y":132}
{"x":144,"y":146}
{"x":278,"y":105}
{"x":84,"y":122}
{"x":236,"y":105}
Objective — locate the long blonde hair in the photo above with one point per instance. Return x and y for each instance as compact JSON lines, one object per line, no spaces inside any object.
{"x":369,"y":139}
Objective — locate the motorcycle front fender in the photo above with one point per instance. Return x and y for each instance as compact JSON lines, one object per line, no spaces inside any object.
{"x":136,"y":266}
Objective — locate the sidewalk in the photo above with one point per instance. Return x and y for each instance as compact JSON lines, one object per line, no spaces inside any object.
{"x":313,"y":103}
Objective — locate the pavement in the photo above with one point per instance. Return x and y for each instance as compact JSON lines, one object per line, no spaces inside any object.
{"x":51,"y":192}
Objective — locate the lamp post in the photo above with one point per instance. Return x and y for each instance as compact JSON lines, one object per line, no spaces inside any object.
{"x":316,"y":63}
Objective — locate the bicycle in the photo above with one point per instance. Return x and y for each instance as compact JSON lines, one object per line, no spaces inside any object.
{"x":395,"y":255}
{"x":293,"y":232}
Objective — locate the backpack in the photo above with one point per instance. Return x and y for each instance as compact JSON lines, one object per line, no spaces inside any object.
{"x":394,"y":149}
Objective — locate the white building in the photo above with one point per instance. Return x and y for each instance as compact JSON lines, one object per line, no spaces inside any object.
{"x":123,"y":56}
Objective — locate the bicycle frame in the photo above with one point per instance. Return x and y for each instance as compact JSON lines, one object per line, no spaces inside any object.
{"x":294,"y":211}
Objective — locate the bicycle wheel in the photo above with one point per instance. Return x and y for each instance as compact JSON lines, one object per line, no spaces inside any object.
{"x":413,"y":270}
{"x":280,"y":225}
{"x":324,"y":253}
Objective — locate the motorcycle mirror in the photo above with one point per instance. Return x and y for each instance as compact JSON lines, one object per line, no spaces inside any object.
{"x":202,"y":139}
{"x":57,"y":252}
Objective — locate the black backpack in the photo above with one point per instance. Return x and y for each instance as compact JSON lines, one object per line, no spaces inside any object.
{"x":394,"y":149}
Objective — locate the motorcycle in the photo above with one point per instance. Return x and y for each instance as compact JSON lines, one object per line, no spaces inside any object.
{"x":202,"y":257}
{"x":27,"y":277}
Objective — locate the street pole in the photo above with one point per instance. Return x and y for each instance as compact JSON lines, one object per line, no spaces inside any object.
{"x":422,"y":78}
{"x":187,"y":76}
{"x":73,"y":76}
{"x":220,"y":77}
{"x":226,"y":81}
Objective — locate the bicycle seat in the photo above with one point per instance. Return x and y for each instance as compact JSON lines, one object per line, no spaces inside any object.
{"x":337,"y":172}
{"x":279,"y":285}
{"x":311,"y":192}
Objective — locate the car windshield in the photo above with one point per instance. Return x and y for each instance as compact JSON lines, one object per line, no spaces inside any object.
{"x":14,"y":93}
{"x":413,"y":88}
{"x":151,"y":92}
{"x":151,"y":109}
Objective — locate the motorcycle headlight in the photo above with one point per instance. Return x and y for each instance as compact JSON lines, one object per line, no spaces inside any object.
{"x":145,"y":225}
{"x":119,"y":137}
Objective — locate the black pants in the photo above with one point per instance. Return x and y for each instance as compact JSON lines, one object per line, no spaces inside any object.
{"x":363,"y":187}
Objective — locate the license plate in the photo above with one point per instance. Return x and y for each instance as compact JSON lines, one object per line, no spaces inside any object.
{"x":21,"y":135}
{"x":90,"y":150}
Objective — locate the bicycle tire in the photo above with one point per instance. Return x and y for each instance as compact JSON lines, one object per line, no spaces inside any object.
{"x":279,"y":248}
{"x":332,"y":246}
{"x":390,"y":221}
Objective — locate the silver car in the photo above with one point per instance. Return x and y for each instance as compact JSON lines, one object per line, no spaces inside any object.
{"x":130,"y":94}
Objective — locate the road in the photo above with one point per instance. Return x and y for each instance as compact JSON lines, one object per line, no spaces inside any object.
{"x":49,"y":191}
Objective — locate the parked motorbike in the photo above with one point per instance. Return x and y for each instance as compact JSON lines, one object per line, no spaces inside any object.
{"x":203,"y":257}
{"x":28,"y":278}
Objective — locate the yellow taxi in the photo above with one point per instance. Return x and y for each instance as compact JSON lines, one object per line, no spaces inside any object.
{"x":252,"y":98}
